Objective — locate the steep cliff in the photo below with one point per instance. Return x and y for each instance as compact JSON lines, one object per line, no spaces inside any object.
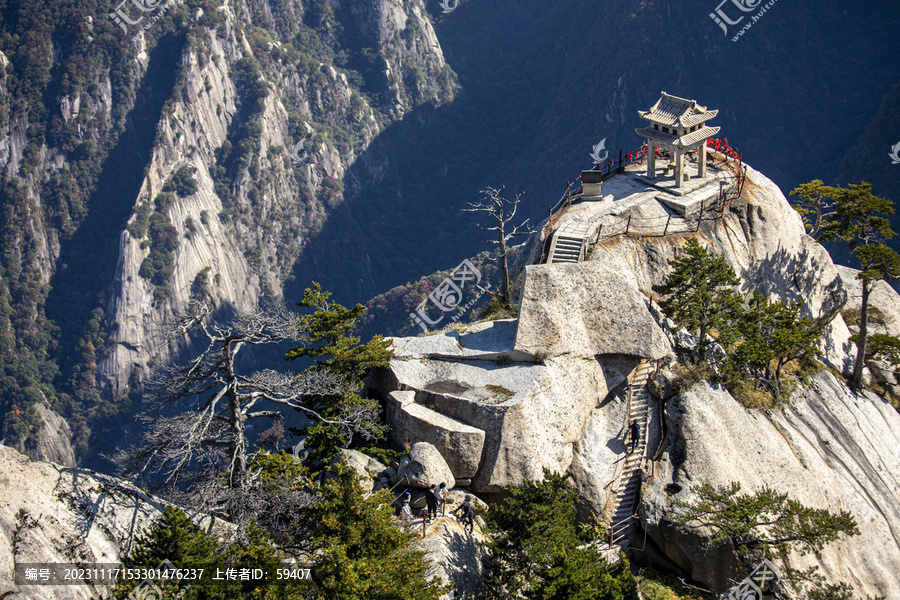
{"x":557,"y":388}
{"x":190,"y":156}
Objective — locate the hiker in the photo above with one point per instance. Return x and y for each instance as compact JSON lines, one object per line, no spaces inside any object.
{"x":441,"y":497}
{"x":468,"y":513}
{"x":431,"y":501}
{"x":404,"y":498}
{"x":635,"y":434}
{"x":405,"y":513}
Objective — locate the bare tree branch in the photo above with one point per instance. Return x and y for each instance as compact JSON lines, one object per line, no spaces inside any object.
{"x":502,"y":211}
{"x":219,"y":399}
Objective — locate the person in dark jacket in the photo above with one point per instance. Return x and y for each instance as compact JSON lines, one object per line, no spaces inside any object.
{"x":431,"y":501}
{"x":468,"y":513}
{"x":635,"y":432}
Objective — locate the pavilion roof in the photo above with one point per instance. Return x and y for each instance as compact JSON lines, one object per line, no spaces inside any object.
{"x":670,"y":139}
{"x":671,"y":110}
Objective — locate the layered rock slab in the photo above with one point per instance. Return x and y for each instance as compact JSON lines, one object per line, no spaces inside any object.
{"x":532,"y":415}
{"x":460,"y":444}
{"x":585,"y":309}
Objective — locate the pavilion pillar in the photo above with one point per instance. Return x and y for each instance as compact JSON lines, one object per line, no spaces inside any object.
{"x":679,"y":168}
{"x":651,"y":161}
{"x":701,"y":169}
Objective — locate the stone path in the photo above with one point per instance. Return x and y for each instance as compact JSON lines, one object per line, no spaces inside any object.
{"x":628,"y":485}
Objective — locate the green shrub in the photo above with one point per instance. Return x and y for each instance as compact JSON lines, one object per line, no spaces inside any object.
{"x":182,"y":182}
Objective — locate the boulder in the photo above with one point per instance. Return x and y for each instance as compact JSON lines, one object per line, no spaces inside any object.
{"x":458,"y":443}
{"x":426,"y":466}
{"x":585,"y":309}
{"x":365,"y":466}
{"x":661,"y":387}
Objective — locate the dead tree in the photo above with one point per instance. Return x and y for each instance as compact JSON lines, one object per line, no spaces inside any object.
{"x":503,"y":211}
{"x":221,"y":401}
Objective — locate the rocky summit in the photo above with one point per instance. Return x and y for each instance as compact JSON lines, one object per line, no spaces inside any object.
{"x":557,"y":387}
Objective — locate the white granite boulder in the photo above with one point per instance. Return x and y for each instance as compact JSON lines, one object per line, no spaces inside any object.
{"x":586,"y":309}
{"x":426,"y":466}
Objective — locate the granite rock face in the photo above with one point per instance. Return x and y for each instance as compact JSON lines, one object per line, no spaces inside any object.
{"x":50,"y":513}
{"x":54,"y":439}
{"x":585,"y":309}
{"x":456,"y":557}
{"x":829,"y":448}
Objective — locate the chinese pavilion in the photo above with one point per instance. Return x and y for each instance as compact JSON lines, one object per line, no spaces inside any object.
{"x":679,"y":126}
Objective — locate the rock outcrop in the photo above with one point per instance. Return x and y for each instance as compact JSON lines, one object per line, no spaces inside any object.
{"x":585,"y":309}
{"x":549,"y":391}
{"x":55,"y":514}
{"x":828,"y":449}
{"x":533,"y":415}
{"x":456,"y":557}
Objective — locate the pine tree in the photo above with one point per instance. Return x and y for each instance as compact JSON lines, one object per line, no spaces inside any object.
{"x":698,"y":294}
{"x":360,"y":553}
{"x":540,"y":551}
{"x":328,"y":328}
{"x":766,"y":524}
{"x":175,"y":538}
{"x":859,"y":219}
{"x":774,"y":332}
{"x":813,"y":205}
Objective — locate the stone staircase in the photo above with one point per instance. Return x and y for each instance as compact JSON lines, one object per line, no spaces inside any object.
{"x":566,"y":249}
{"x":628,"y":484}
{"x":568,"y":244}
